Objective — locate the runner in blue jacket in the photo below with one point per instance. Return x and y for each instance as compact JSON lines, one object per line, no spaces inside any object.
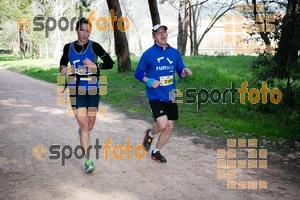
{"x":157,"y":68}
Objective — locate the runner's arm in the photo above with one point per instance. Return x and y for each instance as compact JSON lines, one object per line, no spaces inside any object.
{"x":181,"y":70}
{"x":186,"y":71}
{"x":150,"y":82}
{"x":140,"y":74}
{"x":108,"y":63}
{"x":64,"y":60}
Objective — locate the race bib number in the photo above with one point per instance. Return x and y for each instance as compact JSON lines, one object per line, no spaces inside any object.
{"x":166,"y":80}
{"x":83,"y":70}
{"x":86,"y":79}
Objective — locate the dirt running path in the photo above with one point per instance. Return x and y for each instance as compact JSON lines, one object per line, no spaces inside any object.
{"x":30,"y":116}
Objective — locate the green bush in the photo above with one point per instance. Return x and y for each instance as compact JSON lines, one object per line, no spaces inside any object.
{"x":263,"y":69}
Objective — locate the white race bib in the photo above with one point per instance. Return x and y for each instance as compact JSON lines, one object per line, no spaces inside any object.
{"x":85,"y":78}
{"x":166,"y":80}
{"x":83,"y":70}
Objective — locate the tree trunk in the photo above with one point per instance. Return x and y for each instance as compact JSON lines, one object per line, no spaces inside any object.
{"x":286,"y":45}
{"x":154,"y":12}
{"x":180,"y":27}
{"x":47,"y":49}
{"x":121,"y":44}
{"x":183,"y":23}
{"x":40,"y":52}
{"x":214,"y":20}
{"x":263,"y":33}
{"x":22,"y":48}
{"x":191,"y":33}
{"x":128,"y":14}
{"x":287,"y":53}
{"x":109,"y":41}
{"x":194,"y":13}
{"x":196,"y":50}
{"x":58,"y":43}
{"x":36,"y":51}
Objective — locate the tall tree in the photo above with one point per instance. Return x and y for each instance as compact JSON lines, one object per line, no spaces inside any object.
{"x":183,"y":23}
{"x":263,"y":34}
{"x":130,"y":16}
{"x":154,"y":12}
{"x":121,"y":43}
{"x":267,"y":22}
{"x":19,"y":11}
{"x":195,"y":17}
{"x":46,"y":10}
{"x":289,"y":45}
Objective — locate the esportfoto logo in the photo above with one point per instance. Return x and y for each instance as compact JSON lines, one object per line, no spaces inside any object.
{"x":49,"y":24}
{"x":66,"y":152}
{"x":203,"y":96}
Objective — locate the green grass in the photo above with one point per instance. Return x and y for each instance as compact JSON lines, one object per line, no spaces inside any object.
{"x":43,"y":69}
{"x":222,"y":120}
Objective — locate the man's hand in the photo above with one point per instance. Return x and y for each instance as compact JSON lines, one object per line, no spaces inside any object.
{"x":185,"y":72}
{"x":151,"y":83}
{"x":156,"y":83}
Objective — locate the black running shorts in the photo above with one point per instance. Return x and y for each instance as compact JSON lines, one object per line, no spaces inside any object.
{"x":160,"y":108}
{"x":86,"y":101}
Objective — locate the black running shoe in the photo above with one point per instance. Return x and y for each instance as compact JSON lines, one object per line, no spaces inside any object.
{"x":147,"y":140}
{"x":158,"y":157}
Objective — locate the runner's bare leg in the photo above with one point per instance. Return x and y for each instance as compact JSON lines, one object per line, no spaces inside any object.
{"x":83,"y":121}
{"x":164,"y":126}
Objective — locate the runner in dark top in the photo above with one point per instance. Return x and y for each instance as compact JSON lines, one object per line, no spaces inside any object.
{"x":83,"y":79}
